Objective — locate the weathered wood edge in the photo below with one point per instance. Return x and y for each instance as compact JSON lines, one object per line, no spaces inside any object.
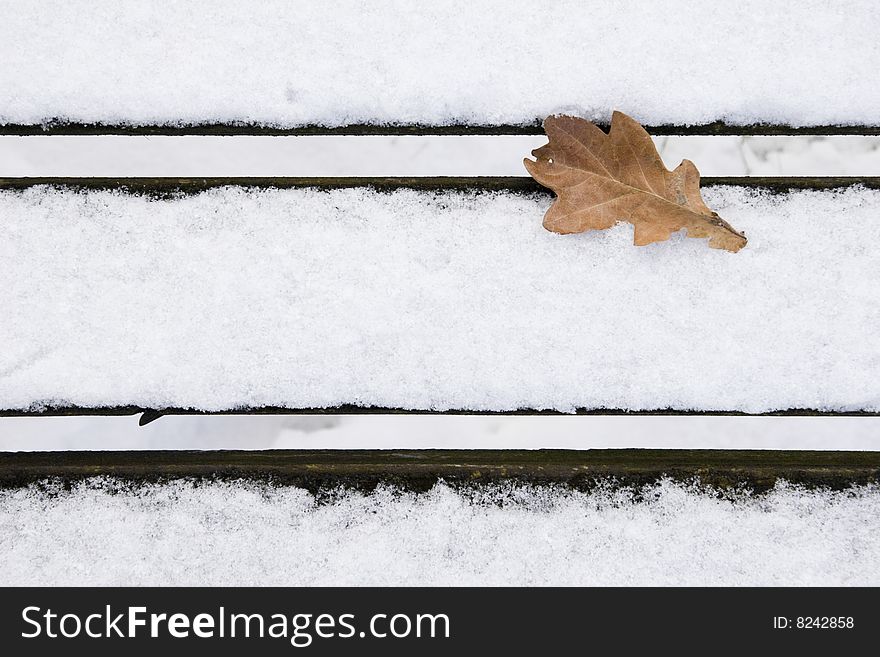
{"x":321,"y":470}
{"x":172,"y":186}
{"x":716,"y":128}
{"x":150,"y":414}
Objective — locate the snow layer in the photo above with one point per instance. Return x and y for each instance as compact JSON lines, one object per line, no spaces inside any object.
{"x":246,"y":534}
{"x":500,"y":61}
{"x":440,"y":431}
{"x":303,"y":298}
{"x":198,"y":156}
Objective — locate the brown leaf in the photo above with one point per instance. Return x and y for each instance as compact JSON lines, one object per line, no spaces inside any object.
{"x":600,"y":179}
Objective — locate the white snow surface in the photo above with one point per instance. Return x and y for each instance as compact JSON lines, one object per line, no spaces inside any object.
{"x":440,"y":431}
{"x":444,"y":62}
{"x":249,"y":534}
{"x":304,"y":298}
{"x":471,"y":155}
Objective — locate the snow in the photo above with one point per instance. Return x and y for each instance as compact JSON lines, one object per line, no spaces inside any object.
{"x":102,"y":533}
{"x":198,"y":156}
{"x":439,"y":432}
{"x":236,"y":298}
{"x":475,"y":62}
{"x":302,"y":298}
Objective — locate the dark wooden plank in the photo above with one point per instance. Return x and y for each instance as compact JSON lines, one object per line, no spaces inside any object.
{"x":420,"y":469}
{"x":171,"y":186}
{"x":717,"y":128}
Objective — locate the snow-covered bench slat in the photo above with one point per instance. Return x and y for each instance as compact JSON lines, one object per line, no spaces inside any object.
{"x":833,"y":243}
{"x":300,"y":64}
{"x":318,"y":470}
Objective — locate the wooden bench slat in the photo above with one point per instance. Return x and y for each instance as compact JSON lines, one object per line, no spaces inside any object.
{"x":518,"y":184}
{"x":717,"y":128}
{"x":521,"y":184}
{"x":421,"y":469}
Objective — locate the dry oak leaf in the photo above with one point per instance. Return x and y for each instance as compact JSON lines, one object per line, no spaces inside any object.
{"x":600,"y":179}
